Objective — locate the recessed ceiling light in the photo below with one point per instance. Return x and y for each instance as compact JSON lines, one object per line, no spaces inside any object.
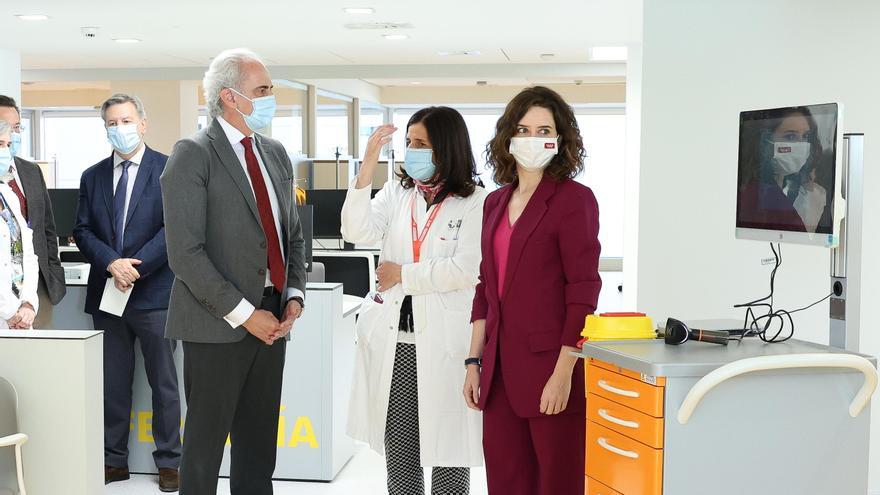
{"x":33,"y":17}
{"x":358,"y":10}
{"x":126,"y":40}
{"x":415,"y":82}
{"x":395,"y":36}
{"x":608,"y":53}
{"x":463,"y":53}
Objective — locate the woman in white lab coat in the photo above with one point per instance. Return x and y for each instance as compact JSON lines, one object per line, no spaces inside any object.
{"x":18,"y":263}
{"x":413,"y":334}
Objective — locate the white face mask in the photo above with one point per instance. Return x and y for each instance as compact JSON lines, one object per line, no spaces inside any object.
{"x":533,"y":153}
{"x":789,"y":158}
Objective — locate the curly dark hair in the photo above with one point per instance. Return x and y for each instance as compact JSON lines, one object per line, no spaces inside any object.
{"x":567,"y":164}
{"x":451,"y":146}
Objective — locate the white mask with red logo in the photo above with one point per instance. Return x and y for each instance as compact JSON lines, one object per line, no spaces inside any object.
{"x":534,"y":153}
{"x":789,"y":158}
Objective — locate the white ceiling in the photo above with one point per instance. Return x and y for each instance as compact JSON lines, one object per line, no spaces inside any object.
{"x":187,"y":33}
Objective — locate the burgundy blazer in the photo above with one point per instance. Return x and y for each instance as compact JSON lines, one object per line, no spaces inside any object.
{"x":551,"y":284}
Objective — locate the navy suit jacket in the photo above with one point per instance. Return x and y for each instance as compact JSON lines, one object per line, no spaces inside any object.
{"x":144,"y":232}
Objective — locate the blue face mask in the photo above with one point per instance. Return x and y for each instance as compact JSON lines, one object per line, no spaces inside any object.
{"x":124,"y":138}
{"x":261,"y":116}
{"x":5,"y":160}
{"x":419,"y":164}
{"x":15,"y":144}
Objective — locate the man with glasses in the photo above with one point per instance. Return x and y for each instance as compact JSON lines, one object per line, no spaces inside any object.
{"x":26,"y":180}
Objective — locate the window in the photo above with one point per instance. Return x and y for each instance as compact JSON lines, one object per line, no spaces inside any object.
{"x":371,"y":118}
{"x":604,"y":135}
{"x":332,"y":131}
{"x":73,"y":141}
{"x":481,"y":127}
{"x":398,"y":141}
{"x":287,"y":127}
{"x":27,"y":148}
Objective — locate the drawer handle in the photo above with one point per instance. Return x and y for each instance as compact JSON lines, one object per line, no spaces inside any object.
{"x":611,"y":448}
{"x":607,"y":417}
{"x":619,"y":391}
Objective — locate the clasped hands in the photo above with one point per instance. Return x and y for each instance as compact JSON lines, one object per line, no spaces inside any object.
{"x":23,"y":318}
{"x":124,"y":273}
{"x":263,"y":325}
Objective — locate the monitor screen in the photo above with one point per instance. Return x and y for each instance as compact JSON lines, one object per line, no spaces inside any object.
{"x":788,"y":160}
{"x":327,"y":218}
{"x":64,"y":203}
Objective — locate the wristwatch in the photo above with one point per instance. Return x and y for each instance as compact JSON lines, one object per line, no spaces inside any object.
{"x":473,"y":360}
{"x":298,"y":299}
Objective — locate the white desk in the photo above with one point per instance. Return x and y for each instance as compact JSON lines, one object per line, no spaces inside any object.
{"x":59,"y":380}
{"x":314,"y":399}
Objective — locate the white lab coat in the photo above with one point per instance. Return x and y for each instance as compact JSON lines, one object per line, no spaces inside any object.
{"x":9,"y":304}
{"x":442,"y":289}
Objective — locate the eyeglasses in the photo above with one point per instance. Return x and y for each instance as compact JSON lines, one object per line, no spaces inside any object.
{"x":19,"y":128}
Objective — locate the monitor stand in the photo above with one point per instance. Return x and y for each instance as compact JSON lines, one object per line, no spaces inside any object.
{"x":846,"y":258}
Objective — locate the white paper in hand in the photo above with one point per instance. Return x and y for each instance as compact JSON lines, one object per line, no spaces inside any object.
{"x":113,"y":300}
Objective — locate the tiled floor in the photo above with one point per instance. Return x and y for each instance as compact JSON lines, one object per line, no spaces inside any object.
{"x":363,"y":475}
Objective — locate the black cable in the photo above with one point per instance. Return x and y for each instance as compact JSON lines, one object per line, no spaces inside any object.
{"x":773,"y":320}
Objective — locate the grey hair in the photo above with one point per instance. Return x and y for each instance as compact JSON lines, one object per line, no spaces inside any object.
{"x":119,"y":99}
{"x":225,"y":72}
{"x":5,"y":127}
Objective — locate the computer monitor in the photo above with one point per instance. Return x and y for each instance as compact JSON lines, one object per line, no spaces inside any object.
{"x":64,"y":202}
{"x":328,"y":211}
{"x":788,"y":174}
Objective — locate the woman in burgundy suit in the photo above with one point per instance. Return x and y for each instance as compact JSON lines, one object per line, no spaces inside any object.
{"x":539,"y":279}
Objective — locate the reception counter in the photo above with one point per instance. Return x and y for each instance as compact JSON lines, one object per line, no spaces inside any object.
{"x":312,"y":444}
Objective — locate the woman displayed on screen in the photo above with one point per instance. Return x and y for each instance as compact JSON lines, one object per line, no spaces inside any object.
{"x":781,"y":173}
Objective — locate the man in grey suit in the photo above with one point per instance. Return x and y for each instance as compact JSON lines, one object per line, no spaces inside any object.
{"x":235,"y":245}
{"x":28,"y":184}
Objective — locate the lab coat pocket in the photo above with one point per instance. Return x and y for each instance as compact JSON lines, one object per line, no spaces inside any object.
{"x":369,"y":318}
{"x":444,"y":247}
{"x":457,"y":333}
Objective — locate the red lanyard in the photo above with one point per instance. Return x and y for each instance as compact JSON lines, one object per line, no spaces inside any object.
{"x":418,"y":239}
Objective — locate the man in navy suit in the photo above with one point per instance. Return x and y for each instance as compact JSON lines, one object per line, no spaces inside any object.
{"x":120,"y":229}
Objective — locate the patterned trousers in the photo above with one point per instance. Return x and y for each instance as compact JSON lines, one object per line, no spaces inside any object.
{"x":405,"y":473}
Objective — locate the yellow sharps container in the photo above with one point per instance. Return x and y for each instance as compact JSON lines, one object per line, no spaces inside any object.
{"x":618,"y":326}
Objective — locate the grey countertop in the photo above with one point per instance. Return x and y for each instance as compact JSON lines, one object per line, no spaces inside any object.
{"x":655,"y":358}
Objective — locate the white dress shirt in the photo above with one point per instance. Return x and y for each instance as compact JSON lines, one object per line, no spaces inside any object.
{"x":243,"y":311}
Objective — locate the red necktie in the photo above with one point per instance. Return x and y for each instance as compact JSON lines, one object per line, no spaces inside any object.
{"x":21,"y":199}
{"x":276,"y":262}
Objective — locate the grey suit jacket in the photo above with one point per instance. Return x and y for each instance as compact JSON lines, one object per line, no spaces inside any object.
{"x":42,"y":221}
{"x":216,"y":246}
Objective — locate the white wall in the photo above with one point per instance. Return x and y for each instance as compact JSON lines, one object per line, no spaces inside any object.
{"x":704,"y":62}
{"x":10,"y":74}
